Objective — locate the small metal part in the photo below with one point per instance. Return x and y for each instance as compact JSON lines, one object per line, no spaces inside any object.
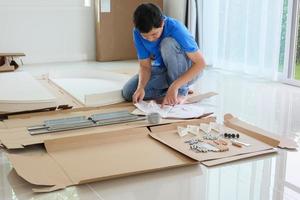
{"x":113,"y":116}
{"x":193,"y":141}
{"x":72,"y":123}
{"x":210,"y":136}
{"x":210,"y":147}
{"x":198,"y":148}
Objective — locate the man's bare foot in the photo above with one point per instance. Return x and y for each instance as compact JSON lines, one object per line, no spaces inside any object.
{"x":159,"y":101}
{"x":190,"y":92}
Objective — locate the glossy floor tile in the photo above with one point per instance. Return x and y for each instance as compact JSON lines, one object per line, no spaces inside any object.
{"x":270,"y":105}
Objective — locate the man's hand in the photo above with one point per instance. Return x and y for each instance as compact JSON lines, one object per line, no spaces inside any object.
{"x":138,"y":95}
{"x":171,"y":97}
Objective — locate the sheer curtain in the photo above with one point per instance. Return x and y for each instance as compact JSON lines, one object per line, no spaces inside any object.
{"x":242,"y":35}
{"x":192,"y":17}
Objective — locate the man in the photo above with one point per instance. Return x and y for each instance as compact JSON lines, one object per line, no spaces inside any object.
{"x":168,"y":55}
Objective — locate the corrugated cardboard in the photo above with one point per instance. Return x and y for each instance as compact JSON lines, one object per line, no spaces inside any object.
{"x":16,"y":136}
{"x":88,"y":158}
{"x":260,"y":134}
{"x":95,"y":154}
{"x":220,"y":161}
{"x":261,"y":142}
{"x":114,"y":24}
{"x":168,"y":135}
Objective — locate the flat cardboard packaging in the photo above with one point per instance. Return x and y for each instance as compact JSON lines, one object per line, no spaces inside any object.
{"x":88,"y":156}
{"x":14,"y":135}
{"x":261,"y":142}
{"x":69,"y":161}
{"x":114,"y":26}
{"x":93,"y":156}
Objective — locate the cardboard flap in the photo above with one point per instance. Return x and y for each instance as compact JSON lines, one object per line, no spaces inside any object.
{"x":160,"y":128}
{"x":168,"y":135}
{"x":38,"y":168}
{"x":268,"y":138}
{"x":201,"y":97}
{"x":220,"y":161}
{"x":16,"y":136}
{"x":95,"y":157}
{"x":48,"y":189}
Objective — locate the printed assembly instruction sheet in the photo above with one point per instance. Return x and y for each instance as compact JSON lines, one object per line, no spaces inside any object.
{"x":180,"y":111}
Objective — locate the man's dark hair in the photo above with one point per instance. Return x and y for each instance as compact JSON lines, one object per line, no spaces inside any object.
{"x":147,"y":16}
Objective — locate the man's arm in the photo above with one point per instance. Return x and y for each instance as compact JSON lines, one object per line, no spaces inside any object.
{"x":144,"y":76}
{"x":198,"y":64}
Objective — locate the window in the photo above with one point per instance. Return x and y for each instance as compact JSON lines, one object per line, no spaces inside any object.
{"x":289,"y":59}
{"x":243,"y":35}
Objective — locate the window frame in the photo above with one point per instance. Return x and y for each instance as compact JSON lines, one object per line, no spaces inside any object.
{"x":287,"y":76}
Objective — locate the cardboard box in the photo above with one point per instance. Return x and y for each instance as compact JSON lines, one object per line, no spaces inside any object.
{"x":114,"y":24}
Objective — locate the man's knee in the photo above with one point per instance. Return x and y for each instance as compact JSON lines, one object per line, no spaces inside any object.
{"x":168,"y":45}
{"x":127,"y":95}
{"x":129,"y":88}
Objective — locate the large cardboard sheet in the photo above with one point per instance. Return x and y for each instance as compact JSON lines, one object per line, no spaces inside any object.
{"x":93,"y":157}
{"x":168,"y":135}
{"x":258,"y":133}
{"x":16,"y":135}
{"x":261,"y":142}
{"x":95,"y":154}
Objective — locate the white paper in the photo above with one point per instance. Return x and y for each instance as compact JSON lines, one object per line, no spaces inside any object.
{"x":181,"y":111}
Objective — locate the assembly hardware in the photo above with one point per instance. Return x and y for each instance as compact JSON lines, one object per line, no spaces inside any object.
{"x":72,"y":123}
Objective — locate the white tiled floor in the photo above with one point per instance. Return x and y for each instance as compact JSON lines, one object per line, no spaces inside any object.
{"x":269,"y":105}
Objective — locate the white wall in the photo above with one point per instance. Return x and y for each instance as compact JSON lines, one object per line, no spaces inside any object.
{"x":48,"y":30}
{"x":56,"y":30}
{"x":175,"y":9}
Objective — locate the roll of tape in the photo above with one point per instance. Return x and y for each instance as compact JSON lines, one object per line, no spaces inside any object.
{"x":153,"y":118}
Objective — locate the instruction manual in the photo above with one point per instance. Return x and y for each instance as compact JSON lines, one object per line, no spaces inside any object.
{"x":181,"y":111}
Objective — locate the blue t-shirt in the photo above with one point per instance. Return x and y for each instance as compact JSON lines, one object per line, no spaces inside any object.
{"x":172,"y":28}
